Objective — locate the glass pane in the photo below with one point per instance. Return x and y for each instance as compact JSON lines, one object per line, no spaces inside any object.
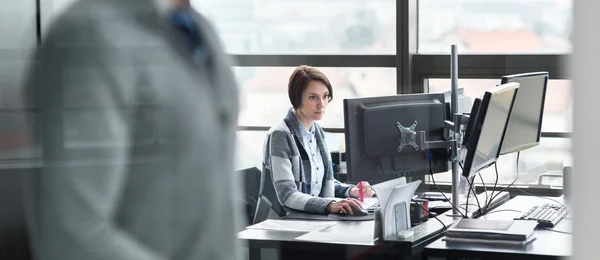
{"x":549,"y":157}
{"x":304,"y":27}
{"x":51,"y":9}
{"x":265,"y":100}
{"x":495,"y":26}
{"x":12,"y":77}
{"x":17,"y":24}
{"x":249,"y":149}
{"x":558,"y":106}
{"x":16,"y":140}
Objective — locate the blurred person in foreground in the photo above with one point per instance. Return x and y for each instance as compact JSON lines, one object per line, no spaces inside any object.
{"x":116,"y":186}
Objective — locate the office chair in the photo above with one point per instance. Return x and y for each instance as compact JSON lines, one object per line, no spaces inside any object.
{"x":251,"y":177}
{"x":267,"y":198}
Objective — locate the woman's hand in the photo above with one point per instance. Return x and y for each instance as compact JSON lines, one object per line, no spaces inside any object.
{"x":366,"y":188}
{"x":345,"y":206}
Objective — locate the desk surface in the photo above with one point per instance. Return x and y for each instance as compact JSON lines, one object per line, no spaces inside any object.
{"x":548,"y":244}
{"x":278,"y":239}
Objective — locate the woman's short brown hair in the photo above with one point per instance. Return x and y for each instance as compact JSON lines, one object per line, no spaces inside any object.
{"x":299,"y":80}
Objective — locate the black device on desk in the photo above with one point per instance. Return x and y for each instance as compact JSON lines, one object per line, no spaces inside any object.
{"x":418,"y":214}
{"x":359,"y":215}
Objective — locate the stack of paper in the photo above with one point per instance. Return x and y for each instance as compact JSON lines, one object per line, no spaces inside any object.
{"x":338,"y":238}
{"x":292,"y":225}
{"x":499,"y":232}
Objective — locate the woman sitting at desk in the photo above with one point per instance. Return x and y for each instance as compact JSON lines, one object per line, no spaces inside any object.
{"x":296,"y":156}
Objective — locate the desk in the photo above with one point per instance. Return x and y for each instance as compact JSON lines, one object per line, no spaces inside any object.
{"x":400,"y":248}
{"x":548,"y":245}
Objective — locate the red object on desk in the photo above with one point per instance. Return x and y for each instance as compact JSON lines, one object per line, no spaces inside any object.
{"x":361,"y":194}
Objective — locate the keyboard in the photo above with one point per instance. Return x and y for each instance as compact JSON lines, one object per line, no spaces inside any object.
{"x":547,"y":215}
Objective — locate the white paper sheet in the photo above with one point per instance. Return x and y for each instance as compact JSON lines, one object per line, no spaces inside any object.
{"x":292,"y":225}
{"x":338,"y":238}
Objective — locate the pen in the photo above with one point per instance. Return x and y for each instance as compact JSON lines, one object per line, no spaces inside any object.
{"x":360,"y":191}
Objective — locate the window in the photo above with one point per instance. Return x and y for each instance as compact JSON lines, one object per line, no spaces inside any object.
{"x":17,"y":25}
{"x":15,"y":141}
{"x":557,"y":108}
{"x":51,"y":9}
{"x":495,"y":26}
{"x":304,"y":27}
{"x":249,"y":149}
{"x":551,"y":155}
{"x":265,"y":101}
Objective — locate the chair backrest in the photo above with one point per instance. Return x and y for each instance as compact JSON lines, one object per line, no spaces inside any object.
{"x":267,"y":198}
{"x":252,"y":178}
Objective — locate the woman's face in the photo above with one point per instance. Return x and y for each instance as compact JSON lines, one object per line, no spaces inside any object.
{"x":314,"y":100}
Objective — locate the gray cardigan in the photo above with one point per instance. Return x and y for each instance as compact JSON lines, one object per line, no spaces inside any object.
{"x":153,"y":188}
{"x":287,"y":162}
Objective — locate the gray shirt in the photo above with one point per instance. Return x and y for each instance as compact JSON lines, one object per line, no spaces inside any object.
{"x":138,"y":139}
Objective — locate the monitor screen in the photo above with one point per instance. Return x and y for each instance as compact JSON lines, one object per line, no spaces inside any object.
{"x":489,"y":127}
{"x":525,"y":123}
{"x":374,"y":148}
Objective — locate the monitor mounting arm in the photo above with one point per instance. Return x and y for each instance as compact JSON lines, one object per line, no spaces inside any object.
{"x":417,"y":139}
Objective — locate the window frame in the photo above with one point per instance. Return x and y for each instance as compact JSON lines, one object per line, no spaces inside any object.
{"x":412,"y":68}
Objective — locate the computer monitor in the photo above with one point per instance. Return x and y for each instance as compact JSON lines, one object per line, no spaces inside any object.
{"x":373,"y":137}
{"x":488,"y":128}
{"x":525,"y":123}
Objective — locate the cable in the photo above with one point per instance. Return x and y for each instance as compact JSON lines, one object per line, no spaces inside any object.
{"x":381,"y":167}
{"x":469,"y":194}
{"x":487,"y":203}
{"x":476,"y":198}
{"x":438,"y":188}
{"x":518,"y":156}
{"x":484,"y":187}
{"x":557,"y":231}
{"x":503,"y":210}
{"x":511,"y":184}
{"x":428,"y":212}
{"x":538,"y":196}
{"x":470,"y":204}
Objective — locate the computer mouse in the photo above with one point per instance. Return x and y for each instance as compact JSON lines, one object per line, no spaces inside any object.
{"x":360,"y":212}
